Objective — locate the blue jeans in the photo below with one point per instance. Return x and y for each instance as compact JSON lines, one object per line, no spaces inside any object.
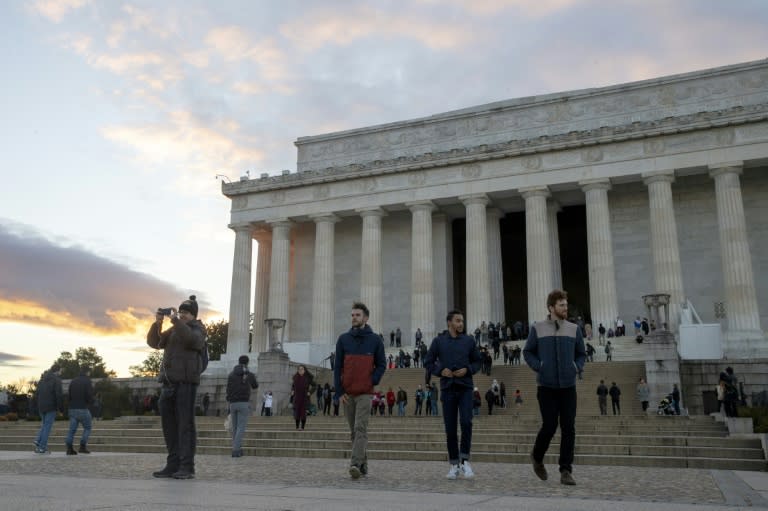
{"x":457,"y":407}
{"x":239,"y":412}
{"x":45,"y":429}
{"x":557,"y":405}
{"x":434,"y":408}
{"x":401,"y":408}
{"x":79,"y":416}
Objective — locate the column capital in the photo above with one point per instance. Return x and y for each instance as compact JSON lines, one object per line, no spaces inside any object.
{"x":658,"y":176}
{"x":262,"y":234}
{"x":422,"y":205}
{"x":372,"y":211}
{"x":247,"y":227}
{"x":494,"y":212}
{"x":325,"y":217}
{"x":534,"y":191}
{"x":280,"y":222}
{"x":555,"y":206}
{"x":595,"y":184}
{"x":475,"y":198}
{"x":718,"y":169}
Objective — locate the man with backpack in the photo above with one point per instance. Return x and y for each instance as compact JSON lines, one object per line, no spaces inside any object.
{"x":239,"y":384}
{"x":183,"y":345}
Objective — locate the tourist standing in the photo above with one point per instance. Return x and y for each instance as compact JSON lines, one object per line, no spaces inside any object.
{"x":602,"y":398}
{"x":676,"y":398}
{"x":360,"y":364}
{"x":555,"y":350}
{"x":50,"y":401}
{"x":80,"y":398}
{"x":643,"y":393}
{"x":302,"y":383}
{"x":239,"y":384}
{"x":182,"y":346}
{"x":615,"y":393}
{"x":454,"y":357}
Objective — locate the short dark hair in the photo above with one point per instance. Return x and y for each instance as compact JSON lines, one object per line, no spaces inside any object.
{"x":362,"y":307}
{"x":452,"y":313}
{"x":555,"y":296}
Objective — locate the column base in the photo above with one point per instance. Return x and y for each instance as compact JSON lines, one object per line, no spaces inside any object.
{"x":745,"y":344}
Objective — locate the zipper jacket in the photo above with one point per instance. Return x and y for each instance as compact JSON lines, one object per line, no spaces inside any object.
{"x":555,"y":350}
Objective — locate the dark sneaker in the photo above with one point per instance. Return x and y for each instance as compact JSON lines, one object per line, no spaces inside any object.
{"x":567,"y":478}
{"x":539,"y":469}
{"x":83,"y":449}
{"x":38,"y":450}
{"x":364,"y":469}
{"x":354,"y":472}
{"x":70,"y":450}
{"x":165,"y":473}
{"x":184,"y":474}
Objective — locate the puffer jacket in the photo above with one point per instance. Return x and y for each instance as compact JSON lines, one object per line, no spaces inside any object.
{"x":50,"y":396}
{"x":555,"y":350}
{"x":360,"y":362}
{"x":182,"y":345}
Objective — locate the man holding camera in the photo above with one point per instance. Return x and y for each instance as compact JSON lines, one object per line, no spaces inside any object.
{"x":182,"y":345}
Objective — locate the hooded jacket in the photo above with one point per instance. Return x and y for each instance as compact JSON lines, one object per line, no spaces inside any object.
{"x":555,"y":350}
{"x":50,"y":396}
{"x":239,"y":384}
{"x":360,"y":362}
{"x":182,"y":346}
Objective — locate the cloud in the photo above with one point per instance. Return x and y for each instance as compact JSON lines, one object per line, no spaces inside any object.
{"x":318,"y":28}
{"x":55,"y":10}
{"x":43,"y":282}
{"x":189,"y":142}
{"x":9,"y":359}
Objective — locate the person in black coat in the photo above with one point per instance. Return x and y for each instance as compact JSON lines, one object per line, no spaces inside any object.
{"x":615,"y":392}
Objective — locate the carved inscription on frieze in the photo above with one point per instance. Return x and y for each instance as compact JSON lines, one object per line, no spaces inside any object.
{"x":239,"y":203}
{"x":532,"y":162}
{"x":654,"y":146}
{"x":321,"y":192}
{"x":592,"y":155}
{"x":470,"y":171}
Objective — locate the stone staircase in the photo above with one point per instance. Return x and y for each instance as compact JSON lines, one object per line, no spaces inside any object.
{"x":629,"y":441}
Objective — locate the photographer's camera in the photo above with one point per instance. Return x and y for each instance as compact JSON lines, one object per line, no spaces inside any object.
{"x":165,"y":312}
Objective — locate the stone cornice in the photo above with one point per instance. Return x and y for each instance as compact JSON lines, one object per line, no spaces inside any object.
{"x":733,"y":116}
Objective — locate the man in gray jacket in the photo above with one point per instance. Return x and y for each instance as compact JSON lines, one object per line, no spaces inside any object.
{"x":555,"y":350}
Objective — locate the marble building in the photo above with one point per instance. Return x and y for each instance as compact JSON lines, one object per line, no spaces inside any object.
{"x":612,"y":193}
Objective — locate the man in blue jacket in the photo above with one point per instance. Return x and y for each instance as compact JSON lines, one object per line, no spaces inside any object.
{"x":359,"y":366}
{"x":555,"y":350}
{"x":454,"y":357}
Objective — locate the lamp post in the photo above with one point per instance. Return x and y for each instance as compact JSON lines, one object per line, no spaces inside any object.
{"x":274,"y":338}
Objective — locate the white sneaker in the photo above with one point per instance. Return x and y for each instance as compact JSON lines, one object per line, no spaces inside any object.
{"x":453,"y":472}
{"x":466,"y":470}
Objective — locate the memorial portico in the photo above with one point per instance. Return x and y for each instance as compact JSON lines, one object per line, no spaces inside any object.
{"x":413,"y":211}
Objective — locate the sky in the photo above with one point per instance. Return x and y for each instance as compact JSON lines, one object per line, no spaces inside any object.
{"x":116,"y":117}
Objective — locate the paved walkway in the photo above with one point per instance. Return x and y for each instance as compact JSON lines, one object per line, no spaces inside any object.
{"x":124,"y":482}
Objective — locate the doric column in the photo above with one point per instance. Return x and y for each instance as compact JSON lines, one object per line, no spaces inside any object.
{"x":478,"y":284}
{"x":538,"y":251}
{"x":370,"y":271}
{"x":557,"y":268}
{"x":422,"y":282}
{"x":323,"y":282}
{"x":261,"y":294}
{"x":442,"y":269}
{"x":603,"y":302}
{"x":744,"y":335}
{"x":495,"y":273}
{"x":279,"y":274}
{"x":665,"y":251}
{"x":240,"y":298}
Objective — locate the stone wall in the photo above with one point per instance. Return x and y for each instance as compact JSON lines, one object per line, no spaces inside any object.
{"x":703,"y":375}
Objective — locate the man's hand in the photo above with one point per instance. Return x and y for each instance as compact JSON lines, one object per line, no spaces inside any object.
{"x":459,"y":373}
{"x":159,"y":318}
{"x":344,"y":399}
{"x":447,"y":373}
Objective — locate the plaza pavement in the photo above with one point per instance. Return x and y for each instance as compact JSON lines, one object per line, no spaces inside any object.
{"x":123,"y":482}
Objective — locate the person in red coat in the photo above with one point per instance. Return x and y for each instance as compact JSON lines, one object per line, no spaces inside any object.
{"x":302,"y":388}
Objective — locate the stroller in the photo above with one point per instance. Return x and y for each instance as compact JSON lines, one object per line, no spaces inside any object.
{"x":665,"y":406}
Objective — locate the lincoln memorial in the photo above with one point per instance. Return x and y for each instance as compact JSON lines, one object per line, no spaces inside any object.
{"x":612,"y":193}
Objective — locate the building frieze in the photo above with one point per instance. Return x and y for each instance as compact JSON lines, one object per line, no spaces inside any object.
{"x":590,"y":142}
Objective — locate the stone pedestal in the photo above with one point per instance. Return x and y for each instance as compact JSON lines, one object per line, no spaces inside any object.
{"x":275,"y":374}
{"x":662,"y":362}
